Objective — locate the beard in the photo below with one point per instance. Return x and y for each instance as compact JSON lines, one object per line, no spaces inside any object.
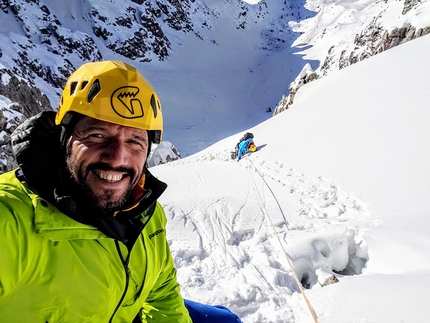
{"x":106,"y":201}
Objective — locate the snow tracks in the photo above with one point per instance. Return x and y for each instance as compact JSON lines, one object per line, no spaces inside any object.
{"x":225,"y":249}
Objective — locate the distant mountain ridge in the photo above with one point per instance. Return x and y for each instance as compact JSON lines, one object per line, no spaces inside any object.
{"x":92,"y":30}
{"x":42,"y":42}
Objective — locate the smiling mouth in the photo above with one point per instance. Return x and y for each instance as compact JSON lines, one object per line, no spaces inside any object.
{"x":111,"y":177}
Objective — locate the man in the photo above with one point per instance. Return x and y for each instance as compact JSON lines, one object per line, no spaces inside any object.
{"x":245,"y":145}
{"x":83,"y":236}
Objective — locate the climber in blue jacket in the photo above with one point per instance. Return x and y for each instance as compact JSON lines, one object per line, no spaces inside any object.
{"x":245,"y":146}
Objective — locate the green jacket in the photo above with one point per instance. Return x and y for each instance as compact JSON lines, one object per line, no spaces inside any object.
{"x":55,"y":269}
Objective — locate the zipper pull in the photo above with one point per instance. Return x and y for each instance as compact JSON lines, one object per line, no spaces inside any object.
{"x":127,"y":270}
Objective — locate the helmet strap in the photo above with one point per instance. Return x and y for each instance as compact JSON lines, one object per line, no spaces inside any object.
{"x":67,"y":125}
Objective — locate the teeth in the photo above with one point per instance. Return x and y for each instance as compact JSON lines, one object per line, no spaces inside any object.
{"x":109,"y":176}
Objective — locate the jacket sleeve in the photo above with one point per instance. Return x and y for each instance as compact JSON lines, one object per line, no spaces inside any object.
{"x":165,"y":303}
{"x":14,"y":254}
{"x":240,"y":151}
{"x":9,"y":253}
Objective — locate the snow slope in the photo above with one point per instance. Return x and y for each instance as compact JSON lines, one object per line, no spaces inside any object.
{"x":342,"y":174}
{"x":343,"y":178}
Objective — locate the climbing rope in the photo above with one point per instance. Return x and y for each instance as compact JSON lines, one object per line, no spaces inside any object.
{"x":266,"y":213}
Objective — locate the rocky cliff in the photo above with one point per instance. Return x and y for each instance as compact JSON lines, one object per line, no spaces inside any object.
{"x":371,"y":40}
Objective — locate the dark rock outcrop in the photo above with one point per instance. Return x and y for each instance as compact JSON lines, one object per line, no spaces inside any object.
{"x":306,"y":75}
{"x":25,"y":101}
{"x":29,"y":100}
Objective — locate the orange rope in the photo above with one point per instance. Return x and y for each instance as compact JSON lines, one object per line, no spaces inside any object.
{"x":311,"y":310}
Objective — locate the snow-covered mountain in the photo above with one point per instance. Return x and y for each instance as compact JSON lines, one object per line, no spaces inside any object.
{"x":343,"y":33}
{"x":343,"y":173}
{"x":206,"y":59}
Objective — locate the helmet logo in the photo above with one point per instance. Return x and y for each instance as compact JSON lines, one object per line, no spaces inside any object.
{"x":125,"y":103}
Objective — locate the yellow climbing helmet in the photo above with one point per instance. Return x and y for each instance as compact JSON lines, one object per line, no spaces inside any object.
{"x":252,"y":147}
{"x":115,"y":92}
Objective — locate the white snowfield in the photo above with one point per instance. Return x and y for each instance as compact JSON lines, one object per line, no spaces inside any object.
{"x":343,"y":176}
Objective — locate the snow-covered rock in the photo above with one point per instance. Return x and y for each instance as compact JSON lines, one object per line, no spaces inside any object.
{"x":165,"y":152}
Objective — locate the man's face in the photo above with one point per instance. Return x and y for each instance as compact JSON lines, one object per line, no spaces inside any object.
{"x":106,"y":160}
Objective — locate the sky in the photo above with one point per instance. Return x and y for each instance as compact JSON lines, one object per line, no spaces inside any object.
{"x":341,"y":179}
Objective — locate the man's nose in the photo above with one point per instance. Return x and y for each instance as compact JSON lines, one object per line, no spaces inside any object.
{"x":115,"y":153}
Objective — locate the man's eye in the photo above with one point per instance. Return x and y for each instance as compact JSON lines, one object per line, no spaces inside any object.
{"x":95,"y":135}
{"x":137,"y":144}
{"x":134,"y":142}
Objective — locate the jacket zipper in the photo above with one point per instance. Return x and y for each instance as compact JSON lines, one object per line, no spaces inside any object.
{"x":127,"y":278}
